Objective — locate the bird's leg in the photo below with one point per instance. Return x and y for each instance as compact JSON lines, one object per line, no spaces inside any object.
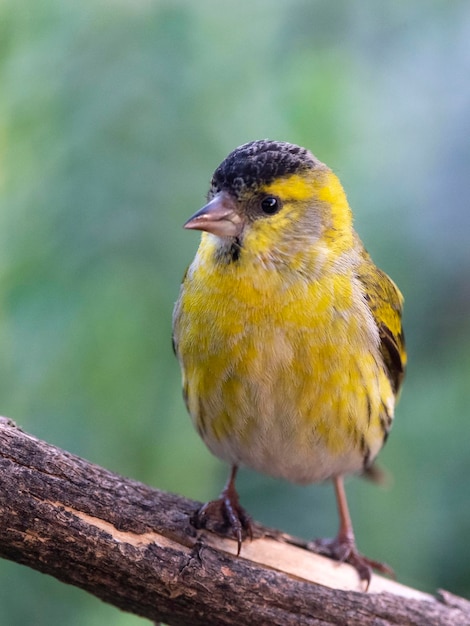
{"x":225,"y":513}
{"x":343,"y":546}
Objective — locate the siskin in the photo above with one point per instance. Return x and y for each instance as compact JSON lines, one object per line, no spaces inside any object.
{"x":289,"y":337}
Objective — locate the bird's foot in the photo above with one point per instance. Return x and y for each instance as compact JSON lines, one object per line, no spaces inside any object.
{"x":223,"y":515}
{"x":343,"y":549}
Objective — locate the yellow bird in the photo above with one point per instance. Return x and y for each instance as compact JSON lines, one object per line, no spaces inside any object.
{"x":288,"y":336}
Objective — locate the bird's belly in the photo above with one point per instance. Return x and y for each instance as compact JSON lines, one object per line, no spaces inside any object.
{"x":288,"y":448}
{"x":300,"y":406}
{"x":287,"y":380}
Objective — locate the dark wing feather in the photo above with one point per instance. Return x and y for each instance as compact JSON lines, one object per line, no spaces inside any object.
{"x":386,"y":304}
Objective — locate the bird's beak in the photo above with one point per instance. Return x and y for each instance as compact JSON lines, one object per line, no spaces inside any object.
{"x":219,"y":217}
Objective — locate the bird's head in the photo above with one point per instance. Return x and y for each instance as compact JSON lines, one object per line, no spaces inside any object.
{"x":273,"y":198}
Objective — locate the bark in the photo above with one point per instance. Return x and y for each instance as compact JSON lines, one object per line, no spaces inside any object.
{"x":134,"y":547}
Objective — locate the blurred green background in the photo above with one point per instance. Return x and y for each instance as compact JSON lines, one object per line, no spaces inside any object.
{"x":113,"y":116}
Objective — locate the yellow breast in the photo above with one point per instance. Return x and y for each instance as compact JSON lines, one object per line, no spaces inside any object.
{"x":281,"y":373}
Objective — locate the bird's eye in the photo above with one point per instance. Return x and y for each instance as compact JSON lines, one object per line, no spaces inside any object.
{"x":270,"y":205}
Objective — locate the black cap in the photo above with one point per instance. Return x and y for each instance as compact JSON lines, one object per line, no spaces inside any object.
{"x":259,"y":163}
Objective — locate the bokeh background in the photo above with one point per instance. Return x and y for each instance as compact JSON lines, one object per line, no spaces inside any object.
{"x":113,"y":115}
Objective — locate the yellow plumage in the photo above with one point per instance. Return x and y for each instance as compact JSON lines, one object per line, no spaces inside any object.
{"x":288,"y":336}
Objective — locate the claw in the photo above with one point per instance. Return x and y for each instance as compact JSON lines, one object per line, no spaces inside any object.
{"x":225,"y":514}
{"x":343,"y":549}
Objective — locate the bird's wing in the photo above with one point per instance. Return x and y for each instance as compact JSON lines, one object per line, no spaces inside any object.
{"x":386,"y":304}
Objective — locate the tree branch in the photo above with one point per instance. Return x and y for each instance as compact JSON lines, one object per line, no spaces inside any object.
{"x":135,"y":548}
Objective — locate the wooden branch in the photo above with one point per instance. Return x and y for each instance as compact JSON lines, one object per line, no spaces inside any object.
{"x":135,"y":548}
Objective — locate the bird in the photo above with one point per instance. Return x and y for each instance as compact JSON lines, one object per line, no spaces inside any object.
{"x":288,"y":336}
